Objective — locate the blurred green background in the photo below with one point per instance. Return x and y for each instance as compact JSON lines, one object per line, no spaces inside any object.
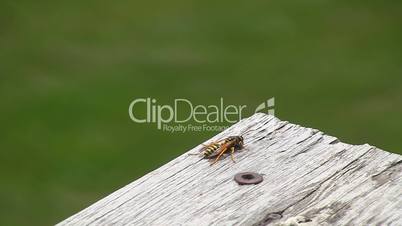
{"x":69,"y":70}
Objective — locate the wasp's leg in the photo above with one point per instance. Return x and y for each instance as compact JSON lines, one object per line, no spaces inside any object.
{"x":219,"y":156}
{"x":244,"y":148}
{"x":231,"y":154}
{"x":241,"y":149}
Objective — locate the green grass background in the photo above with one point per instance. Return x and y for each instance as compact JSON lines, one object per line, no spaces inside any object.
{"x":69,"y":69}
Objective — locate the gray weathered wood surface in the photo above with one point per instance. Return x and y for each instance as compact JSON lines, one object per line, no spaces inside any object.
{"x":309,"y":179}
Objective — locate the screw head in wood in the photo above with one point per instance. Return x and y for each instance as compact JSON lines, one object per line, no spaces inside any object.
{"x":248,"y":178}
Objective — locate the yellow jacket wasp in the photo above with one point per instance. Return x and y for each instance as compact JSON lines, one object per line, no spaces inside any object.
{"x":217,"y":148}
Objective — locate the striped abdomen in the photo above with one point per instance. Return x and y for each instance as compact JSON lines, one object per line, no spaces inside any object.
{"x":211,"y":149}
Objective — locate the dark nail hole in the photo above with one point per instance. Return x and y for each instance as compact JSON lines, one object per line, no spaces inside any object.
{"x":247,"y":176}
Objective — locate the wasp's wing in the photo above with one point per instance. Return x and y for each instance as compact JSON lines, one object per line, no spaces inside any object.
{"x":218,"y":154}
{"x":222,"y":149}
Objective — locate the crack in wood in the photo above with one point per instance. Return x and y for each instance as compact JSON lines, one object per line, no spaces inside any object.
{"x":388,"y":174}
{"x":266,"y":222}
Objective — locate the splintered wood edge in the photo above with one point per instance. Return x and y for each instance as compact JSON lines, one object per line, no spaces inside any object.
{"x":309,"y":178}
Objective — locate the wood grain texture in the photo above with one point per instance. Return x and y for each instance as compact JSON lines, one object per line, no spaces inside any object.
{"x":309,"y":179}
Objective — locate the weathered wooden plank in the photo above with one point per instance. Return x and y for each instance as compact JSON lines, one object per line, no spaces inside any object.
{"x":309,"y":179}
